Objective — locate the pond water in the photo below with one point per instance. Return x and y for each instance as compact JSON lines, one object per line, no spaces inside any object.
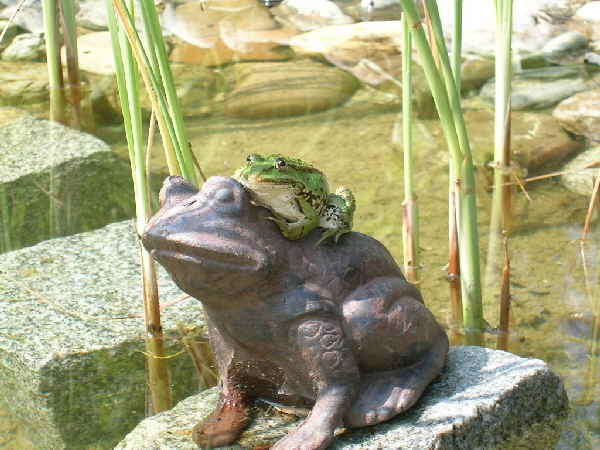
{"x":357,"y":145}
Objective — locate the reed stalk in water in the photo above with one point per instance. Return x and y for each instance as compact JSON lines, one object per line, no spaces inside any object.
{"x":50,"y":9}
{"x":70,"y":39}
{"x":128,"y":84}
{"x":410,"y":212}
{"x":501,"y":197}
{"x":447,"y":100}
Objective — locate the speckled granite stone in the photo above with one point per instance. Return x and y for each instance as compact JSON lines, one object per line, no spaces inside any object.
{"x":71,"y":337}
{"x":481,"y":398}
{"x":56,"y":181}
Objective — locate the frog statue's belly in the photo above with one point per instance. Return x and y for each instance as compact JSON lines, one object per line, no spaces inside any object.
{"x":335,"y":327}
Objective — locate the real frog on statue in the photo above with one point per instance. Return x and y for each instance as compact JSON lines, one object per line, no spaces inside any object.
{"x":298,"y":196}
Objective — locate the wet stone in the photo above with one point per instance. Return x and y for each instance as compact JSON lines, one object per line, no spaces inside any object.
{"x":482,"y":397}
{"x":23,"y":83}
{"x":580,"y":114}
{"x":265,"y":90}
{"x":72,"y":337}
{"x":580,"y":173}
{"x":56,"y":181}
{"x":25,"y":47}
{"x":543,"y":88}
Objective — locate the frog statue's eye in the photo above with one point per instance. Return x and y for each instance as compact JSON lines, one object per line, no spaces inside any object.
{"x":251,"y":158}
{"x":280,"y":163}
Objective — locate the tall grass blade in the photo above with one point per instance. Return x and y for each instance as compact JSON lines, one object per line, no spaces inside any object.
{"x":70,"y":38}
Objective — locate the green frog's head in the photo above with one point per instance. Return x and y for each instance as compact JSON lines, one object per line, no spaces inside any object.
{"x":280,"y":170}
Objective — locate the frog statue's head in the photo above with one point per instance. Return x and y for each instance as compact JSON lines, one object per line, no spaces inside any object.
{"x":212,"y":241}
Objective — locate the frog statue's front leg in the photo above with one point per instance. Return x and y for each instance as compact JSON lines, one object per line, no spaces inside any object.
{"x":337,"y":215}
{"x":327,"y":357}
{"x":300,"y":228}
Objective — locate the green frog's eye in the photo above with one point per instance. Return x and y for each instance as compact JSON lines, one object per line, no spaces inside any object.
{"x":280,"y":163}
{"x":250,"y":158}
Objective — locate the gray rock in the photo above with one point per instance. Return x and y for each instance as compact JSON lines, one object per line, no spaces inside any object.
{"x":56,"y":181}
{"x":589,"y":12}
{"x":580,"y":114}
{"x":12,"y":30}
{"x":92,"y":15}
{"x":71,"y":337}
{"x":571,"y":40}
{"x":307,"y":15}
{"x":580,"y":176}
{"x":29,"y":18}
{"x":542,"y":88}
{"x":480,"y":399}
{"x":25,"y":47}
{"x":592,"y":58}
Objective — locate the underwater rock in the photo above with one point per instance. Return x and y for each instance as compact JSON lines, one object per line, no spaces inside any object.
{"x":483,"y":397}
{"x":542,"y":88}
{"x":307,"y":15}
{"x":566,"y":48}
{"x":536,"y":139}
{"x":71,"y":361}
{"x":265,"y":90}
{"x":475,"y":71}
{"x":582,"y":172}
{"x":23,"y":83}
{"x":25,"y":47}
{"x":9,"y":114}
{"x":580,"y":114}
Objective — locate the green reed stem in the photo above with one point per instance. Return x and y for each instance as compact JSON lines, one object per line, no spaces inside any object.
{"x":457,"y":43}
{"x":70,"y":38}
{"x":128,"y":84}
{"x":410,"y":225}
{"x":50,"y":9}
{"x":168,"y":115}
{"x":447,"y":100}
{"x":501,"y":201}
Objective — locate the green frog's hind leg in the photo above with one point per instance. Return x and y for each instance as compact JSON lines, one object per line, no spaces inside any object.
{"x":300,"y":228}
{"x":383,"y":395}
{"x":337,"y":215}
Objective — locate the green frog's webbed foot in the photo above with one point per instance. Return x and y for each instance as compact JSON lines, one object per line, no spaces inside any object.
{"x":338,"y":214}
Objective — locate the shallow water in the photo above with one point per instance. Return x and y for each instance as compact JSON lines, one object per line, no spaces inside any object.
{"x":357,"y":146}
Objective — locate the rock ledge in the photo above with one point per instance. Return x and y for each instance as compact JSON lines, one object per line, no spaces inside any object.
{"x":482,"y":398}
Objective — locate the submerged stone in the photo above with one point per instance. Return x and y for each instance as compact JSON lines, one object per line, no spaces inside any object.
{"x":265,"y":90}
{"x":581,"y":172}
{"x":23,"y":83}
{"x":542,"y":88}
{"x":580,"y":114}
{"x":25,"y":47}
{"x":72,"y":338}
{"x":56,"y":181}
{"x":481,"y":398}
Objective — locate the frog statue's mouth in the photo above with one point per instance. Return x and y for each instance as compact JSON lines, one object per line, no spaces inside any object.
{"x":205,"y":239}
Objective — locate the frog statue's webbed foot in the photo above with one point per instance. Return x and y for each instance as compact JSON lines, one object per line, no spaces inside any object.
{"x":337,"y":215}
{"x":300,"y":228}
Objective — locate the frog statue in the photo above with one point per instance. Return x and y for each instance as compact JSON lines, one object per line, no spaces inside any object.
{"x":335,"y":327}
{"x":298,"y":196}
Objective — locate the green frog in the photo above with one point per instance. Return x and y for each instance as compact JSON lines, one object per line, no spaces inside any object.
{"x":298,"y":196}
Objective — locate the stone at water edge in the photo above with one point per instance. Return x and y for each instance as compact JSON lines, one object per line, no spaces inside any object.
{"x":71,"y":363}
{"x":580,"y":180}
{"x":482,"y":397}
{"x":12,"y":31}
{"x":307,"y":15}
{"x":580,"y":114}
{"x":56,"y":181}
